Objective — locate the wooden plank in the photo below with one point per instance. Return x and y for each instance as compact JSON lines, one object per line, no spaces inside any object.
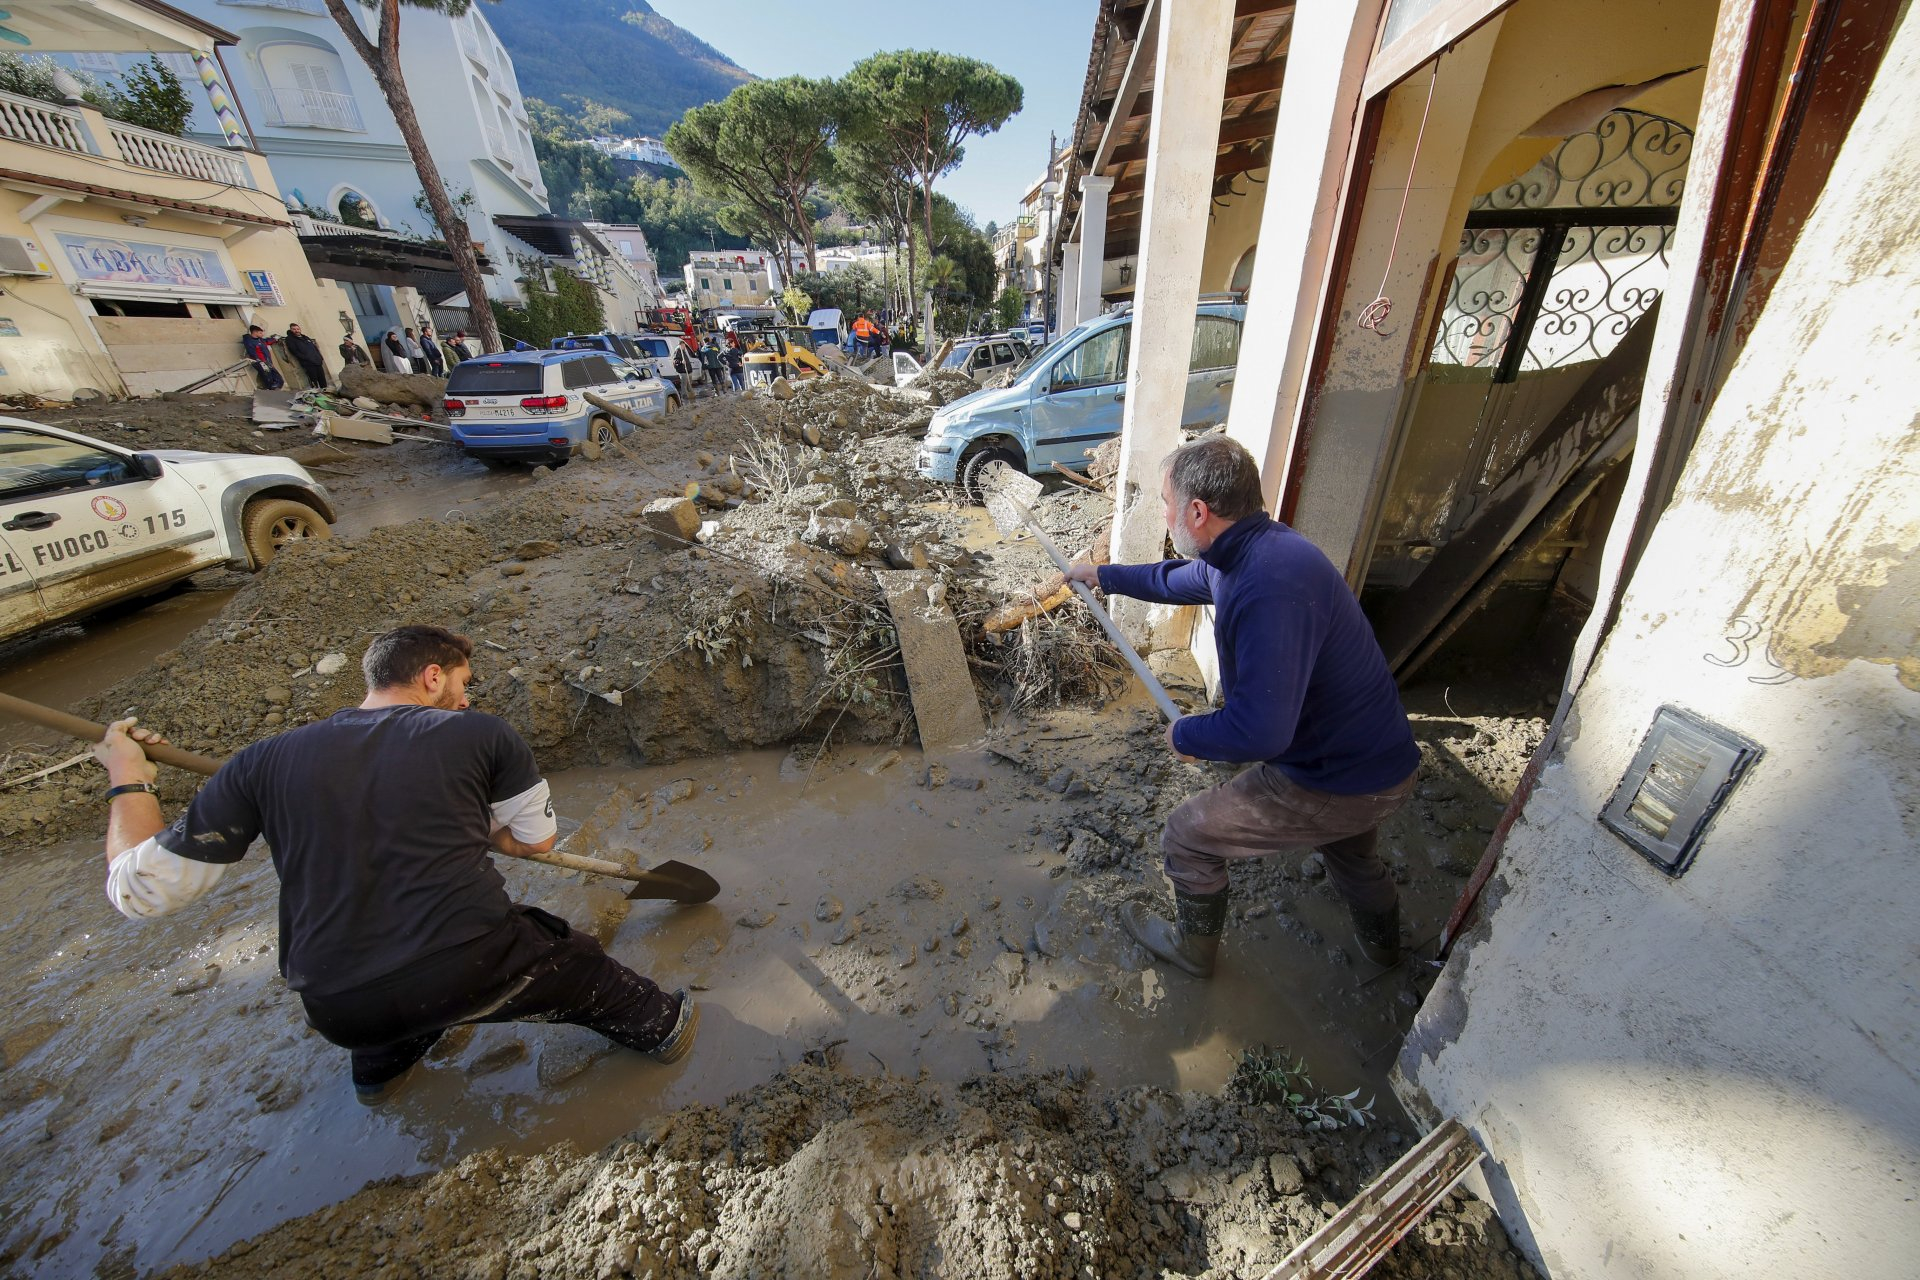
{"x":945,"y":706}
{"x":1349,"y":1243}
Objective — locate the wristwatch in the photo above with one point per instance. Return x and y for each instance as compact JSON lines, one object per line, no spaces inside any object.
{"x":128,"y":788}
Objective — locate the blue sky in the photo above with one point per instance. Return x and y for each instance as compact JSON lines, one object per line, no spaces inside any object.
{"x":1041,"y":43}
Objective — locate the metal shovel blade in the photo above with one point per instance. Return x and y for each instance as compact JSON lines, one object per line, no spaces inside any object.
{"x":1005,"y":491}
{"x":674,"y":881}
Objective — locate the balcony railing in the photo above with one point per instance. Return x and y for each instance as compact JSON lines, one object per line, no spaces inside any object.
{"x":149,"y":150}
{"x":42,"y":124}
{"x":497,"y":146}
{"x":311,"y":109}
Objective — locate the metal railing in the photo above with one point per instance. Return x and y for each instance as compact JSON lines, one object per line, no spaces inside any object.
{"x":149,"y":150}
{"x":312,"y":109}
{"x":43,"y":124}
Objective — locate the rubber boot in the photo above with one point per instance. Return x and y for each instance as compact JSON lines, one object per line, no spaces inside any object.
{"x":1378,"y":933}
{"x":679,"y":1038}
{"x":1191,"y":940}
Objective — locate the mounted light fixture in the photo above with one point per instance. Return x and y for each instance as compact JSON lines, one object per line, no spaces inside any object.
{"x":1680,"y":778}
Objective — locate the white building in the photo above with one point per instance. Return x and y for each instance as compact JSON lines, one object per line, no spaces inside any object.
{"x":644,"y":150}
{"x":630,"y":243}
{"x":731,"y":277}
{"x":336,"y":149}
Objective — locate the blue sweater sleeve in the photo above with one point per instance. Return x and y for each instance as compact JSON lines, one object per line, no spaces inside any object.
{"x":1272,"y":662}
{"x":1168,"y":582}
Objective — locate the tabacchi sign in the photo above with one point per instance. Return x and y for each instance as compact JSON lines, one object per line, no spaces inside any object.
{"x":114,"y":261}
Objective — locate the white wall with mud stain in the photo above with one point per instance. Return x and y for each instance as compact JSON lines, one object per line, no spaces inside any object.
{"x":1719,"y":1075}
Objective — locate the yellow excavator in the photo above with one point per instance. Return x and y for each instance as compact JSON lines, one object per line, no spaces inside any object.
{"x":780,"y":353}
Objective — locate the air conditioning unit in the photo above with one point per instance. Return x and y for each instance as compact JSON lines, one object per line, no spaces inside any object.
{"x":22,"y":257}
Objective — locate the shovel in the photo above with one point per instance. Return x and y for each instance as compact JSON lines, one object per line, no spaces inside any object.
{"x":1007,"y":493}
{"x":671,"y":881}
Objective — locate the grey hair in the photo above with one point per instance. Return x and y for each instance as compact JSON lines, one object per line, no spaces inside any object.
{"x":1219,"y":472}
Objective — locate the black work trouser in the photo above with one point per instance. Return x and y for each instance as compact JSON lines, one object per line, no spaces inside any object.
{"x":534,"y":968}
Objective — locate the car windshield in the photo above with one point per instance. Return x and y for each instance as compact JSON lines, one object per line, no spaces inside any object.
{"x":494,"y":378}
{"x":1033,"y":357}
{"x":33,"y":463}
{"x":957,"y":358}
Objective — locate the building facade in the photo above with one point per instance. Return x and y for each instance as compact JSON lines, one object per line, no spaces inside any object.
{"x":134,"y":260}
{"x":321,"y":119}
{"x":731,"y":278}
{"x":1601,"y":310}
{"x":629,"y":242}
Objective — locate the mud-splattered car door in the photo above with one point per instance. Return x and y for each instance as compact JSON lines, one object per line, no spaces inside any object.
{"x":93,"y":524}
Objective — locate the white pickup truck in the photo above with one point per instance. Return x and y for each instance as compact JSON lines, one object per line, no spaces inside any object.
{"x":84,"y":523}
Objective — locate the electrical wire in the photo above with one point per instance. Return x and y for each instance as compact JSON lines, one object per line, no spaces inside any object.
{"x":1375,"y":313}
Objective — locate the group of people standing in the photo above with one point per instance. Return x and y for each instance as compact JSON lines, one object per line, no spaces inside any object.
{"x":401,"y":351}
{"x":870,"y":338}
{"x":721,"y":359}
{"x":405,"y":351}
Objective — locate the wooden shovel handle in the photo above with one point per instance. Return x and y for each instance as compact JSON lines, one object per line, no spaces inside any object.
{"x":88,"y":731}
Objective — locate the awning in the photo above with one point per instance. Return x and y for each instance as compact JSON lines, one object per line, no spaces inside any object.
{"x":164,"y":293}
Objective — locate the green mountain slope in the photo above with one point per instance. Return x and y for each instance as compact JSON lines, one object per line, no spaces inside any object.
{"x":612,"y":53}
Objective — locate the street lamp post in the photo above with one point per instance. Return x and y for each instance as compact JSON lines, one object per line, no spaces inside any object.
{"x":1048,"y":190}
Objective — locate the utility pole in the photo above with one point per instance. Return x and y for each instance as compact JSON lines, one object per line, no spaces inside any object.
{"x":1048,"y":189}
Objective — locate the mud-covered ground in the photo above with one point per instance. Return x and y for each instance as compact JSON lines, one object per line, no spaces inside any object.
{"x":926,"y":1050}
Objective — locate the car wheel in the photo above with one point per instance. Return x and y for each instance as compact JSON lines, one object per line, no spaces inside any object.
{"x":673,"y":404}
{"x":268,"y":524}
{"x":600,"y":437}
{"x":974,"y":464}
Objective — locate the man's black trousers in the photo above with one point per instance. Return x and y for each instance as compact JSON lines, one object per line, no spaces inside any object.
{"x":534,"y":968}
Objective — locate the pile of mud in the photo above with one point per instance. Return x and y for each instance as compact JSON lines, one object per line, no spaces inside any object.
{"x":599,"y":645}
{"x":820,"y":1173}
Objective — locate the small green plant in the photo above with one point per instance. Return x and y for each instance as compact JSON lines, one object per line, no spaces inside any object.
{"x":151,"y":96}
{"x":1275,"y":1076}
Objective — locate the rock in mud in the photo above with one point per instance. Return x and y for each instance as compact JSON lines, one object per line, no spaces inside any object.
{"x":674,"y":521}
{"x":828,"y":909}
{"x":848,"y":537}
{"x":359,"y":382}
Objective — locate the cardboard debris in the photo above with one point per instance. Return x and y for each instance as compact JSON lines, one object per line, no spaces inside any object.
{"x":336,"y":426}
{"x":276,"y":408}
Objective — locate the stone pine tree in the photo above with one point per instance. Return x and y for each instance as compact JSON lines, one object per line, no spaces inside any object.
{"x":765,"y":148}
{"x":382,"y":56}
{"x":914,"y":109}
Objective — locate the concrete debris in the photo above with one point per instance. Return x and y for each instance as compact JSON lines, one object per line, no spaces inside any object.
{"x":946,"y":707}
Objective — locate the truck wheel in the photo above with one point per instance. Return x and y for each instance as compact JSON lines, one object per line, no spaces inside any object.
{"x":268,"y":524}
{"x":975,"y":463}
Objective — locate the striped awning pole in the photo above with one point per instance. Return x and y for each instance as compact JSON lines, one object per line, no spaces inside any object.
{"x":222,"y":104}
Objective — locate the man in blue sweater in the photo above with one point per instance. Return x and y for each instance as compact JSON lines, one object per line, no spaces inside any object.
{"x":1307,"y":701}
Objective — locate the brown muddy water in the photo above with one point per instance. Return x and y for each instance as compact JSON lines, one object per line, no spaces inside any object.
{"x":163,"y":1097}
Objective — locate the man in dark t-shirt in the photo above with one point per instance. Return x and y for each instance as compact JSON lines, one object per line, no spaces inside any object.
{"x":394,"y":922}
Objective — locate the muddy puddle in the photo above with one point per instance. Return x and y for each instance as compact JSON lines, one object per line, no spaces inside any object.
{"x":164,"y":1098}
{"x":65,"y":664}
